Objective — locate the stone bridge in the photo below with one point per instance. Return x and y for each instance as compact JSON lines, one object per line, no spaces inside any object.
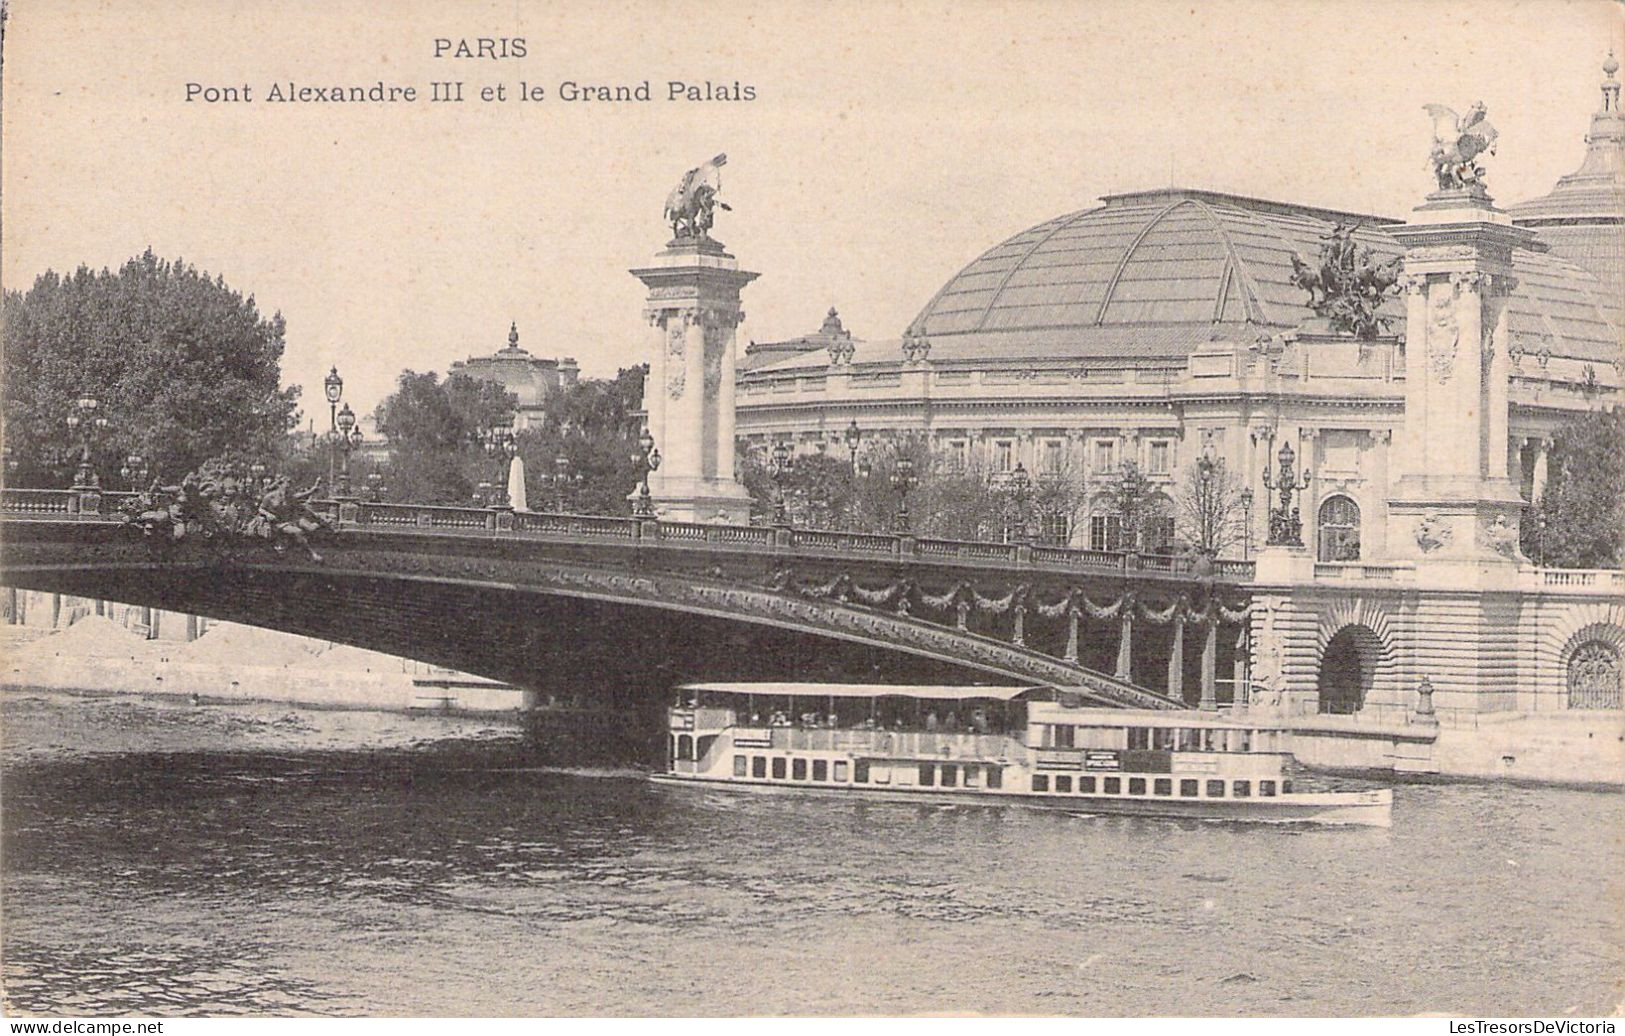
{"x":573,"y":604}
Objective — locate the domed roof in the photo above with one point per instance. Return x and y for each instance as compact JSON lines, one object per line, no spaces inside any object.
{"x":1155,"y":274}
{"x":1173,"y":267}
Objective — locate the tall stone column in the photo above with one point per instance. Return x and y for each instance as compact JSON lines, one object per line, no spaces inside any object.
{"x":694,"y":312}
{"x":1452,"y":504}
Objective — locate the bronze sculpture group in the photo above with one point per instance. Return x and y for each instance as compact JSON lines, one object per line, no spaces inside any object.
{"x":219,"y":504}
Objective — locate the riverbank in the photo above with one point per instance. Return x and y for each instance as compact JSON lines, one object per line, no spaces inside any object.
{"x":241,"y":664}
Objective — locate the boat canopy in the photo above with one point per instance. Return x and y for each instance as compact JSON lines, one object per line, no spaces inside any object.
{"x":869,"y":690}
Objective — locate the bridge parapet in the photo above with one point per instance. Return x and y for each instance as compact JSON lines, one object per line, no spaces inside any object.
{"x":482,"y":521}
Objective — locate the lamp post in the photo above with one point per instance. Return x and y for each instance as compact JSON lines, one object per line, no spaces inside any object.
{"x":563,"y":481}
{"x":1019,"y":485}
{"x":11,"y":460}
{"x":1208,"y":509}
{"x":84,"y":421}
{"x":501,"y":446}
{"x":903,"y":480}
{"x":333,"y":388}
{"x":347,"y":438}
{"x":648,"y":458}
{"x":375,"y":486}
{"x":782,"y":463}
{"x":854,"y":435}
{"x":1286,"y":526}
{"x":1247,"y":523}
{"x":134,"y":472}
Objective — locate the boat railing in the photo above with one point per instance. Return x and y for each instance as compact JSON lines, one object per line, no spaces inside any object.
{"x":933,"y":744}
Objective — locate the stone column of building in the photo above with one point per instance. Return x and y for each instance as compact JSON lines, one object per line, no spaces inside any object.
{"x":694,"y":310}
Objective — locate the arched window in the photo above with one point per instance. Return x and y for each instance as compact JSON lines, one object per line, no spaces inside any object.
{"x":1594,"y":676}
{"x":1339,"y":529}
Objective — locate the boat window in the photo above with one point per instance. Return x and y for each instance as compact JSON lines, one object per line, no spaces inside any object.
{"x":740,"y":766}
{"x":995,"y":776}
{"x":840,"y":770}
{"x":820,"y":769}
{"x":1215,"y":789}
{"x":1114,"y":785}
{"x":1139,"y":737}
{"x":671,"y":747}
{"x":798,"y":769}
{"x":778,"y":769}
{"x":1187,"y":787}
{"x":1286,"y":787}
{"x":1065,"y":735}
{"x":883,"y":775}
{"x":1086,"y":785}
{"x":928,"y":774}
{"x":1162,"y":739}
{"x":950,"y":776}
{"x":1063,"y":784}
{"x":685,"y":746}
{"x":973,"y":776}
{"x":1243,"y":789}
{"x":1136,"y":785}
{"x":1266,"y":789}
{"x":1040,"y":782}
{"x":758,"y":766}
{"x":1205,"y":743}
{"x":860,"y":771}
{"x":1246,"y":741}
{"x":1163,"y":786}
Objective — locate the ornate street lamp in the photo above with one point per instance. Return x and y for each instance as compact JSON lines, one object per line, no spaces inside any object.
{"x":1286,"y":526}
{"x":1247,"y":523}
{"x":87,"y":424}
{"x":648,"y":458}
{"x":333,"y":389}
{"x":1019,"y":484}
{"x":783,"y":462}
{"x":500,"y":445}
{"x":903,"y":480}
{"x":561,"y":480}
{"x":375,"y":486}
{"x":854,"y":435}
{"x":348,"y":437}
{"x":134,"y":472}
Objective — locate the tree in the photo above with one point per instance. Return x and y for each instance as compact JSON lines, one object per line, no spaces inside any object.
{"x":593,"y":426}
{"x":1579,"y":520}
{"x":1210,"y":512}
{"x":184,"y":369}
{"x":1135,"y":500}
{"x":433,"y":428}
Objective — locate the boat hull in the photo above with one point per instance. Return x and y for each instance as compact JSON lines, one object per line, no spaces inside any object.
{"x":1362,"y":808}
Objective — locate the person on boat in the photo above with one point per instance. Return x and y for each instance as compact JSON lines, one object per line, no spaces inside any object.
{"x":931,"y":720}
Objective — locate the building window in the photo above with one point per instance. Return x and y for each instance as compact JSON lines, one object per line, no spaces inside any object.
{"x":1004,"y":455}
{"x":758,"y":766}
{"x":1063,"y":784}
{"x":1160,"y":459}
{"x":956,"y":454}
{"x":798,"y":769}
{"x":778,"y":769}
{"x":1051,"y":457}
{"x":820,"y":769}
{"x":740,"y":765}
{"x":1159,"y":526}
{"x":1114,"y":785}
{"x":1105,"y":532}
{"x":1054,"y":529}
{"x":1104,"y":455}
{"x":1594,"y":676}
{"x":1339,"y":529}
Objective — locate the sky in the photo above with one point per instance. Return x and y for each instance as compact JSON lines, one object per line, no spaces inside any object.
{"x":888,"y":145}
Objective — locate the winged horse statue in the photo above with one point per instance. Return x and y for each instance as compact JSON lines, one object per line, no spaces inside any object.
{"x":1458,"y":140}
{"x":691,"y":206}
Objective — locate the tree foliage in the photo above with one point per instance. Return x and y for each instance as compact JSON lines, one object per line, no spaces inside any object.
{"x":433,"y":427}
{"x":184,"y":369}
{"x":1210,"y":514}
{"x":1579,"y":520}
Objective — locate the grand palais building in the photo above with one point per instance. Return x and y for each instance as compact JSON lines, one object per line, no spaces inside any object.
{"x":1161,"y":324}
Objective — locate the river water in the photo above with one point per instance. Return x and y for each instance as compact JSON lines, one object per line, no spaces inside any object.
{"x":163,"y":859}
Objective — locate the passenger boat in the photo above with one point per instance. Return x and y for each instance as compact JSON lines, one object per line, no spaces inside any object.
{"x":994,"y":744}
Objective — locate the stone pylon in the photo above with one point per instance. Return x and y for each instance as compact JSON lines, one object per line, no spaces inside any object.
{"x":694,"y":312}
{"x":1452,"y":504}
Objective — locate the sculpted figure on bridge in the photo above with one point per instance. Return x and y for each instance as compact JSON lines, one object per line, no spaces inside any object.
{"x":284,"y":516}
{"x":691,"y":206}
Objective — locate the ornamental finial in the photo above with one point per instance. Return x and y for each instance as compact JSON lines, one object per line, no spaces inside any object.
{"x":513,"y":335}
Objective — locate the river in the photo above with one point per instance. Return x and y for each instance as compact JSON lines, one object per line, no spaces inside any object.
{"x":166,"y":859}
